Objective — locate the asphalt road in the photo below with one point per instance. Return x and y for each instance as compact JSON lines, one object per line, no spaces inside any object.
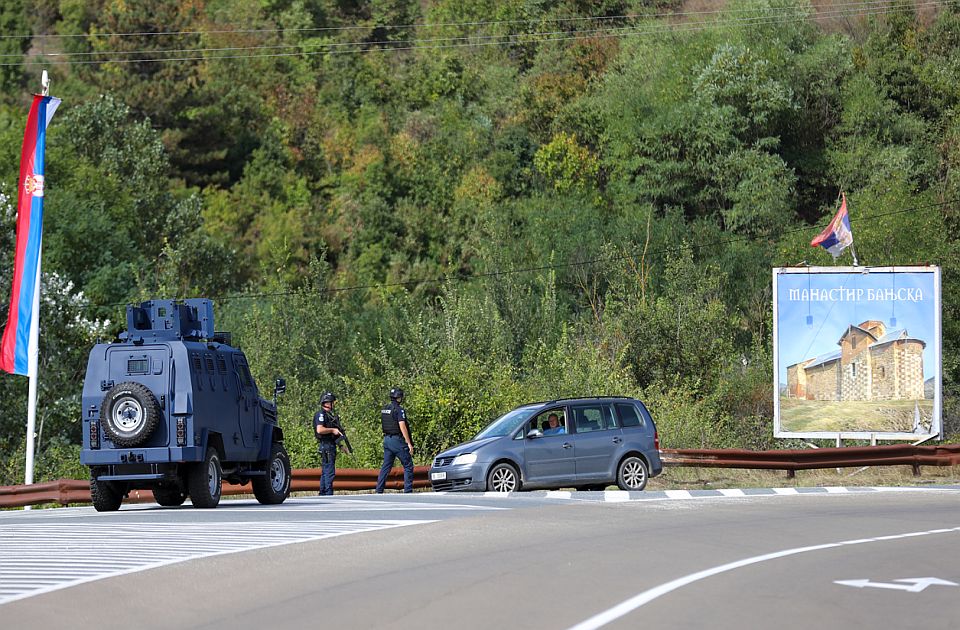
{"x":539,"y":560}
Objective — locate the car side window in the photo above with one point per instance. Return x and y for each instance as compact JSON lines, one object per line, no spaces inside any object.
{"x":549,"y":422}
{"x":593,"y":418}
{"x":628,"y":415}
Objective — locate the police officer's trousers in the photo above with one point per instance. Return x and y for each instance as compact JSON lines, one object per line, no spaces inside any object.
{"x":328,"y":463}
{"x":394,"y":446}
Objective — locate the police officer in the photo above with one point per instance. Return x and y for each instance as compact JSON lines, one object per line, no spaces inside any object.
{"x":396,"y":441}
{"x":326,"y":431}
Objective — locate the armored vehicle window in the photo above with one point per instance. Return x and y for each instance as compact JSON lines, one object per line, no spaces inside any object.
{"x":138,"y":366}
{"x":245,"y":374}
{"x":209,"y":362}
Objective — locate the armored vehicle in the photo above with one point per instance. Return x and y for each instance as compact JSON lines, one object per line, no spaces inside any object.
{"x":171,"y":407}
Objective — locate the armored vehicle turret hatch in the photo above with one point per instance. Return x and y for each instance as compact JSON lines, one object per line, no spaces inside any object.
{"x":171,"y":406}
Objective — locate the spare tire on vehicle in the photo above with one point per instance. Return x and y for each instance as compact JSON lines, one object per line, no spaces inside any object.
{"x":129,"y":414}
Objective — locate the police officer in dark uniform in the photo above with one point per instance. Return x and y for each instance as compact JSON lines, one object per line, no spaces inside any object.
{"x":396,"y":441}
{"x":326,"y":431}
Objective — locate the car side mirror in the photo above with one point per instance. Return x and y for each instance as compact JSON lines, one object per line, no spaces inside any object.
{"x":535,"y":433}
{"x":278,"y":388}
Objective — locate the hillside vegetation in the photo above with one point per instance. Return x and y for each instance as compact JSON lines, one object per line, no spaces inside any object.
{"x":484,"y":202}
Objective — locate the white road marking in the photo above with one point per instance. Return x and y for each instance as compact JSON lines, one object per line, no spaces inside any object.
{"x":733,"y":492}
{"x":628,"y":606}
{"x":558,"y":494}
{"x":39,"y":558}
{"x":616,"y":496}
{"x":678,"y":494}
{"x":912,"y":585}
{"x":786,"y":491}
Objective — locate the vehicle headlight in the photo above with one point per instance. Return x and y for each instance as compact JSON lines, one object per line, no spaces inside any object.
{"x":466,"y":458}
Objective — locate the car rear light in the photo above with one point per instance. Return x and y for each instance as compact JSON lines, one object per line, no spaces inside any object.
{"x":656,"y":440}
{"x":94,"y":434}
{"x":181,"y":432}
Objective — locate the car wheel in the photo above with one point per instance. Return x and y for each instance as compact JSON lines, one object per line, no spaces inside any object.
{"x":169,"y":495}
{"x":632,"y":474}
{"x":274,"y":487}
{"x":106,"y":495}
{"x":503,"y":478}
{"x":129,"y":414}
{"x":205,"y":481}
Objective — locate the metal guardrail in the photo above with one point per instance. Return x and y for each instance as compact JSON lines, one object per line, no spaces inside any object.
{"x":66,"y":491}
{"x":792,"y":460}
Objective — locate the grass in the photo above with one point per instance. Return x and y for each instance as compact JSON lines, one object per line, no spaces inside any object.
{"x":690,"y":478}
{"x":865,"y":416}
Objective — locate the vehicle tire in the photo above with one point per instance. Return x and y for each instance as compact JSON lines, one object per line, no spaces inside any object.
{"x":129,"y":414}
{"x":503,"y":478}
{"x":169,"y":495}
{"x":274,"y":487}
{"x":632,"y":474}
{"x":204,"y":481}
{"x":106,"y":495}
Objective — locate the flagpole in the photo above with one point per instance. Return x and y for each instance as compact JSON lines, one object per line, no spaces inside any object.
{"x":33,"y":360}
{"x":33,"y":345}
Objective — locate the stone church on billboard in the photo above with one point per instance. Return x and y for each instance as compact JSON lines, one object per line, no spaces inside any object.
{"x":871,"y":364}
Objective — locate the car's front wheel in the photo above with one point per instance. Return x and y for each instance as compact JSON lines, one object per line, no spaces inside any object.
{"x":632,"y":474}
{"x":503,"y":478}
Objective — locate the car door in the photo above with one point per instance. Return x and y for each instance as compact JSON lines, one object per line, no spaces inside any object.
{"x":548,"y":459}
{"x":596,"y":442}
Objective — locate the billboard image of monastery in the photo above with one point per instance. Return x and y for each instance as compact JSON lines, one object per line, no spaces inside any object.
{"x":857,"y":352}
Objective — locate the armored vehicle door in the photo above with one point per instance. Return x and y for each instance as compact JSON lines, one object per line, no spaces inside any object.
{"x":249,"y":403}
{"x":148,"y":366}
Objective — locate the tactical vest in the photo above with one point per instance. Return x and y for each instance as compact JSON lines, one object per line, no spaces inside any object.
{"x":389,"y":419}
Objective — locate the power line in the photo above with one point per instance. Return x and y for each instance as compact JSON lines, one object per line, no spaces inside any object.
{"x":473,"y":41}
{"x":467,"y":277}
{"x":431,"y":25}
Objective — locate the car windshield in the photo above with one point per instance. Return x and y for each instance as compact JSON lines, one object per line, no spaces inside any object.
{"x":506,"y":424}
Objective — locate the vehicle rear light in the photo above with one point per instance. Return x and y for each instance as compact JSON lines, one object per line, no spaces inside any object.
{"x":94,"y":434}
{"x":181,"y":432}
{"x":656,"y":440}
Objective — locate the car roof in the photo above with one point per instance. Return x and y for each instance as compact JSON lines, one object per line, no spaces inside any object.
{"x":580,"y":399}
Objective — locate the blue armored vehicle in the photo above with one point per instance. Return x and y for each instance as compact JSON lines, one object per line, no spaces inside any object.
{"x":171,"y":407}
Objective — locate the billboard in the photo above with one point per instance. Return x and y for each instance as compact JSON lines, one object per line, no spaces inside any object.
{"x":856,"y":352}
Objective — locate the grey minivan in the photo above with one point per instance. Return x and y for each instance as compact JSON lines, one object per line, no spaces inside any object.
{"x":586,"y":443}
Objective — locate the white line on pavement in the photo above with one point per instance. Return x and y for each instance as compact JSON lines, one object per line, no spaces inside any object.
{"x":628,"y":606}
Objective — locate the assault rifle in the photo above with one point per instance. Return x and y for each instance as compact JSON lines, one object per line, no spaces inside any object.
{"x":342,"y":441}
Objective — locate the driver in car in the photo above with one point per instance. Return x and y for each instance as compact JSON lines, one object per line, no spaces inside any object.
{"x":553,"y":425}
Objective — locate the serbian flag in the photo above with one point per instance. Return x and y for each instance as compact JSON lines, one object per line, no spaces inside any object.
{"x":837,"y":236}
{"x":26,"y":263}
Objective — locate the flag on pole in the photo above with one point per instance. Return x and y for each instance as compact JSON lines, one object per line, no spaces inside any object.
{"x":837,"y":236}
{"x":26,"y":262}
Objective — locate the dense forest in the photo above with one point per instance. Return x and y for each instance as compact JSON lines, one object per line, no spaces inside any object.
{"x":484,"y":202}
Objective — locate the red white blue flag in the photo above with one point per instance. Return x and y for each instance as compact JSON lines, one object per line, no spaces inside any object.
{"x":26,"y":265}
{"x":837,"y":236}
